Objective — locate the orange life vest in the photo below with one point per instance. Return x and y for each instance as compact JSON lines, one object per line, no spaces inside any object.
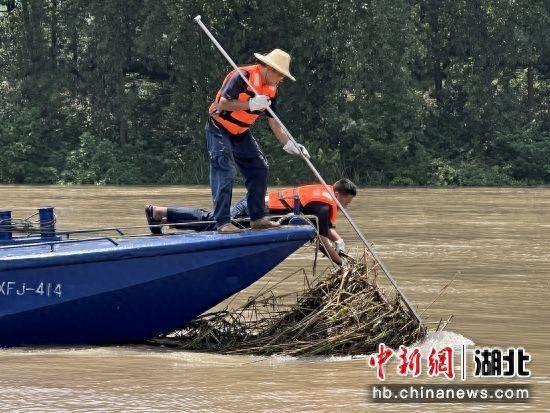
{"x":240,"y":121}
{"x":284,"y":199}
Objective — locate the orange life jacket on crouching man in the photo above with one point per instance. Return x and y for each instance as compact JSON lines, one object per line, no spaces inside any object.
{"x":284,"y":199}
{"x":240,"y":121}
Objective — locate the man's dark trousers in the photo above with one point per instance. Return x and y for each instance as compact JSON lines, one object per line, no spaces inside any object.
{"x":227,"y":152}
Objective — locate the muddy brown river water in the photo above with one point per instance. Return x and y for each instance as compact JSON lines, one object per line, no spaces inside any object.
{"x":494,"y":242}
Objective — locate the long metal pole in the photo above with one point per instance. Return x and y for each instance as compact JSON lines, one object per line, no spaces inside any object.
{"x":314,"y":170}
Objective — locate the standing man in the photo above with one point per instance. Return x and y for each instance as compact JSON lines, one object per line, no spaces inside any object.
{"x":230,"y":142}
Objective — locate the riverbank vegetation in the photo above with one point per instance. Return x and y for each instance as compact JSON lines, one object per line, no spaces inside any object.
{"x":408,"y":92}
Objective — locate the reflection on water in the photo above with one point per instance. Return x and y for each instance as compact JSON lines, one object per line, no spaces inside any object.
{"x":494,"y":243}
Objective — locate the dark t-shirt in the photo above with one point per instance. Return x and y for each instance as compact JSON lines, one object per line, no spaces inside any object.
{"x":322,"y":212}
{"x":320,"y":209}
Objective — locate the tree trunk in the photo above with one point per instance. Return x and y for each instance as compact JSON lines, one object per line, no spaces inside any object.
{"x":121,"y":113}
{"x":54,"y":26}
{"x":29,"y":46}
{"x":33,"y":17}
{"x":438,"y":82}
{"x":430,"y":13}
{"x":530,"y":89}
{"x":73,"y":46}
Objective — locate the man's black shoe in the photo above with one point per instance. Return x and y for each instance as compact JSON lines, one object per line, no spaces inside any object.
{"x":151,"y":221}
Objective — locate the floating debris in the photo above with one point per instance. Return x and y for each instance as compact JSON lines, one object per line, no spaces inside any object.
{"x":344,"y":312}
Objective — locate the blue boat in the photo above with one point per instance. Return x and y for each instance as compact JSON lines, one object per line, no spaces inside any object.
{"x":56,"y":290}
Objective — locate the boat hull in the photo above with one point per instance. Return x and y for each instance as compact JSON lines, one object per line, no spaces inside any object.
{"x":130,"y":292}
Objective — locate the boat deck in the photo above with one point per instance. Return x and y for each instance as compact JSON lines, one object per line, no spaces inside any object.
{"x":97,"y":247}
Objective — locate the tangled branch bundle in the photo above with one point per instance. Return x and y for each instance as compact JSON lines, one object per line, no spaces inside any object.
{"x":344,"y":313}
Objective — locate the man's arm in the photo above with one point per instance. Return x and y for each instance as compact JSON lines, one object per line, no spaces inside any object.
{"x":339,"y":243}
{"x":277,"y":131}
{"x":229,"y":96}
{"x":290,"y":147}
{"x":331,"y":251}
{"x":322,"y":211}
{"x":232,"y":105}
{"x":333,"y":235}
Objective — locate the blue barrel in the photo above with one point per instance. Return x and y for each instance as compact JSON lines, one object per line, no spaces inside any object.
{"x":5,"y":221}
{"x":297,"y":219}
{"x":47,"y":222}
{"x":296,"y":203}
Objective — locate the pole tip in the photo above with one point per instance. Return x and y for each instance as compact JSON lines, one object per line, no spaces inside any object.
{"x":197,"y":19}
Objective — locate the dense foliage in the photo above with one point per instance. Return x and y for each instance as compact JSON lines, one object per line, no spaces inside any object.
{"x":406,"y":92}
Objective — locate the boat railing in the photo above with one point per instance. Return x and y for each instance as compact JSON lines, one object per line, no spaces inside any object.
{"x":191,"y":225}
{"x":121,"y":230}
{"x":53,"y":244}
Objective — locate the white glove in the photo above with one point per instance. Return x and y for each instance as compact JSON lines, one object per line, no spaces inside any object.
{"x":295,"y":149}
{"x":340,"y":246}
{"x":259,"y":102}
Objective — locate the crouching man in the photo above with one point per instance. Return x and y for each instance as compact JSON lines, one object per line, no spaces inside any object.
{"x":313,"y":199}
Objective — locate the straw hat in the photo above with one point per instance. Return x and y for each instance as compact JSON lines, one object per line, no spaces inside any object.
{"x":278,"y":60}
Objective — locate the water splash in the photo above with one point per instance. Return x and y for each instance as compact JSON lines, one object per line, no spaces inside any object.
{"x":440,"y":339}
